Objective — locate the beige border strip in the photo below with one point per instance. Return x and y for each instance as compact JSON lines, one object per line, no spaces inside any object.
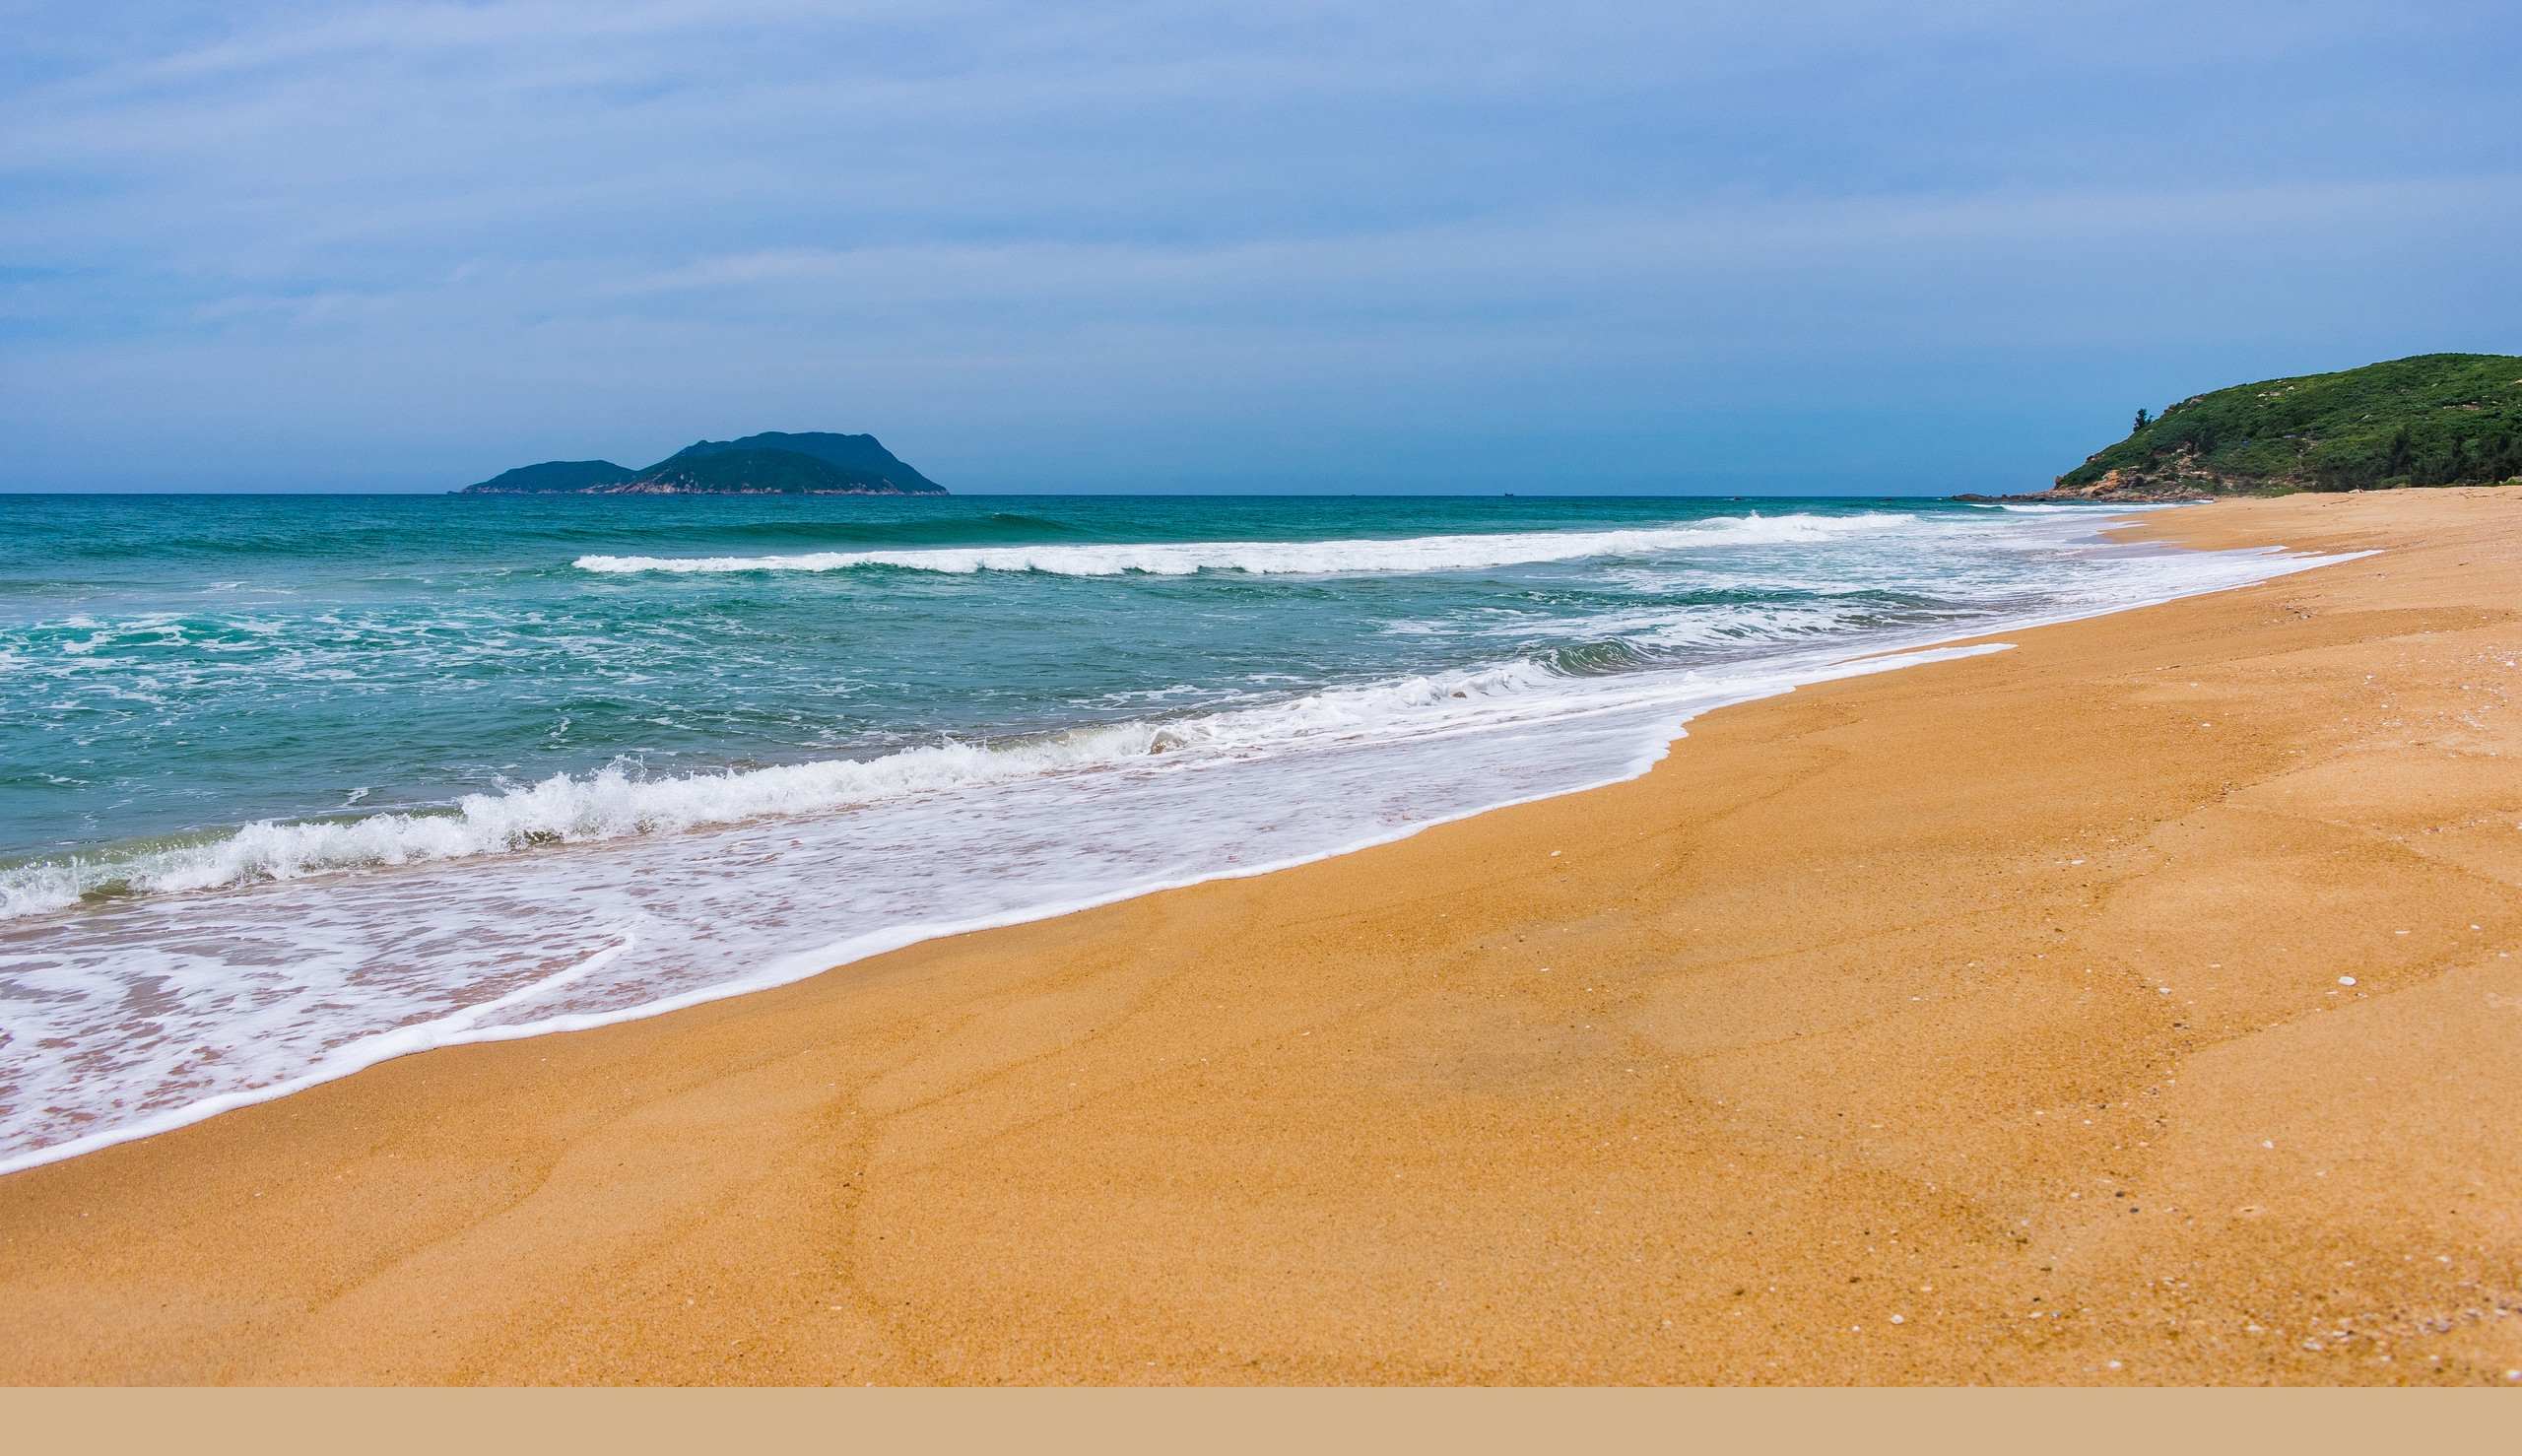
{"x":760,"y":1423}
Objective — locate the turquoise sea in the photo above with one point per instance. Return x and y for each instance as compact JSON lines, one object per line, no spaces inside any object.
{"x":289,"y":784}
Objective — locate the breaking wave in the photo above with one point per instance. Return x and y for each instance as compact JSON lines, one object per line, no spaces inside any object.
{"x":1293,"y":557}
{"x":617,"y":801}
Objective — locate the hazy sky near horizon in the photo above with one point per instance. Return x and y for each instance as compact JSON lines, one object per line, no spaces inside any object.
{"x":1147,"y":246}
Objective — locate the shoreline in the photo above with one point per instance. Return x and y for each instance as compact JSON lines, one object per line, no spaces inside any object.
{"x":381,"y":1047}
{"x":1784,"y":671}
{"x":876,"y":1174}
{"x":1781,"y":670}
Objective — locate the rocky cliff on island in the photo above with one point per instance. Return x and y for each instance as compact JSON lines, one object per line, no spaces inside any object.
{"x":772,"y":463}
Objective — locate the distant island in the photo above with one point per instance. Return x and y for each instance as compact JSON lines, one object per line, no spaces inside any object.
{"x":772,"y":463}
{"x":2431,"y":420}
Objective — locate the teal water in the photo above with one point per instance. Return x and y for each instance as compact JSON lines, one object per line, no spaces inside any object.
{"x":290,"y":784}
{"x":176,"y":665}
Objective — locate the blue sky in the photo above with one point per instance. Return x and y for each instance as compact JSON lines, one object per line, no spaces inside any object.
{"x":1566,"y":246}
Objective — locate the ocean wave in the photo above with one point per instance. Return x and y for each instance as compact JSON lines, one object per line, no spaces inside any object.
{"x":1293,"y":557}
{"x":618,"y":802}
{"x":989,"y":529}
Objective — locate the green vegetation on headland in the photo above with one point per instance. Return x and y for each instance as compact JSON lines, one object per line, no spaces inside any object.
{"x":773,"y":463}
{"x":2435,"y":420}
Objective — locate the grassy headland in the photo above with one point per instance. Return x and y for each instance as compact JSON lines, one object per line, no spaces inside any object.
{"x":2432,"y":420}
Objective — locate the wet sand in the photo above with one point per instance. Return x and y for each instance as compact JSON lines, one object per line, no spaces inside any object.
{"x":1978,"y":1021}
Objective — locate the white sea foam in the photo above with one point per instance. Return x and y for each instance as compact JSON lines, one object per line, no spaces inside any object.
{"x":616,"y":802}
{"x":1297,"y":558}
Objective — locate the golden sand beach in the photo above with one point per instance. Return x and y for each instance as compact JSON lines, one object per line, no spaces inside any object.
{"x":2139,"y":1005}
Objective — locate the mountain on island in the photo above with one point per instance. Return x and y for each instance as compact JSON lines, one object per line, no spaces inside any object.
{"x":556,"y":475}
{"x":2432,"y":420}
{"x":772,"y":463}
